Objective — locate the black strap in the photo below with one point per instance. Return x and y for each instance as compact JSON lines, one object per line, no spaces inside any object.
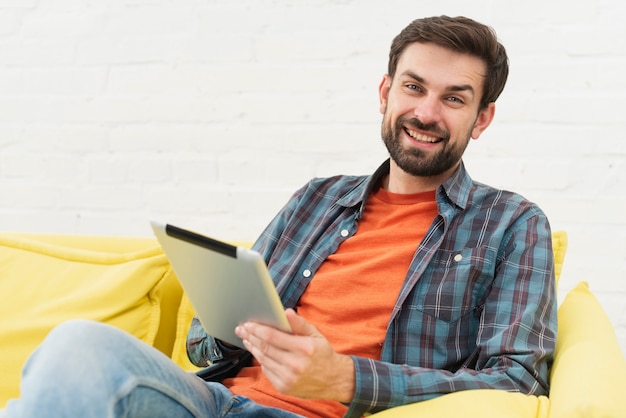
{"x":226,"y":368}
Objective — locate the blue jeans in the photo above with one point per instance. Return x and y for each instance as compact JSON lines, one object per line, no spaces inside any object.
{"x":87,"y":369}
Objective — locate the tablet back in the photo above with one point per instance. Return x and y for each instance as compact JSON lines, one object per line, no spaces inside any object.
{"x":226,"y":284}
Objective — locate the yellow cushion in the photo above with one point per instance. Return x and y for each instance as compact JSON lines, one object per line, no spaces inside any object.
{"x":45,"y":280}
{"x":171,"y":293}
{"x":483,"y":403}
{"x":559,"y":247}
{"x":588,"y":377}
{"x":179,"y":352}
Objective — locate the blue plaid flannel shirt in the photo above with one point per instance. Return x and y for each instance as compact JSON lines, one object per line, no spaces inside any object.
{"x":477,"y":308}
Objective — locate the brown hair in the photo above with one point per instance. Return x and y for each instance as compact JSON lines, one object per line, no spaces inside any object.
{"x":463,"y":35}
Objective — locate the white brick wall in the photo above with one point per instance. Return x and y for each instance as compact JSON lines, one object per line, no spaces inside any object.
{"x":210,"y":113}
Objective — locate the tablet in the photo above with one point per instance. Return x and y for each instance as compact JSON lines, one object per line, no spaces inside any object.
{"x":226,"y":284}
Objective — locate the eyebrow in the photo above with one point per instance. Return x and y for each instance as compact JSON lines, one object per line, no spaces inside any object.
{"x":453,"y":88}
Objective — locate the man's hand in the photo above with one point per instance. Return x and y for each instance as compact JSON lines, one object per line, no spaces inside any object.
{"x":301,"y":364}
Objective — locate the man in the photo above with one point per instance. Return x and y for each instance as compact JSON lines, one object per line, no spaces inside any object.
{"x":400,"y":287}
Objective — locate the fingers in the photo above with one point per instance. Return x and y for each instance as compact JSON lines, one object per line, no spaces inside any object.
{"x":280,"y":354}
{"x":276,"y":350}
{"x":268,"y":340}
{"x":264,"y":342}
{"x":301,"y":364}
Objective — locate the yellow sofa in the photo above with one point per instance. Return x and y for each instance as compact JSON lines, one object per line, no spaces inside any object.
{"x":127,"y":282}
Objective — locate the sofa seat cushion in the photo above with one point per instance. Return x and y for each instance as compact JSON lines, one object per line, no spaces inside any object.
{"x":46,"y":280}
{"x":483,"y":403}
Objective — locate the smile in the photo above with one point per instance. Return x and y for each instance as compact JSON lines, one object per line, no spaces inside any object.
{"x":421,"y":137}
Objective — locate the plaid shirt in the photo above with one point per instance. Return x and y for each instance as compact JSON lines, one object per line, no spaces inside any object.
{"x":477,"y":308}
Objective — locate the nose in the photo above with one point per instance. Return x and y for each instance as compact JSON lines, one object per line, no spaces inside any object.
{"x":428,"y":109}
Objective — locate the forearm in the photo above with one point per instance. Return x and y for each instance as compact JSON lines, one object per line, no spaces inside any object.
{"x":381,"y":385}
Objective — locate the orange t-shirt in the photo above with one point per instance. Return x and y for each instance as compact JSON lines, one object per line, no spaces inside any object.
{"x":351,"y":297}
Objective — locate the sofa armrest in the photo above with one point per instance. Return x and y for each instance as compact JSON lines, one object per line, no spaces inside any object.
{"x":588,"y":377}
{"x":48,"y":279}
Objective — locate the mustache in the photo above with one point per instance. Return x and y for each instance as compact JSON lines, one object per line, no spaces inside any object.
{"x":432,"y":128}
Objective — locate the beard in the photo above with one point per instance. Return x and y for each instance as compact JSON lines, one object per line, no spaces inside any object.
{"x":415,"y":161}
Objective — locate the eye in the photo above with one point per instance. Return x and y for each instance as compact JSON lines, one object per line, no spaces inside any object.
{"x":455,"y":100}
{"x":413,"y":87}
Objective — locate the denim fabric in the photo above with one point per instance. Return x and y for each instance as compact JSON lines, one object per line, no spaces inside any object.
{"x":90,"y":370}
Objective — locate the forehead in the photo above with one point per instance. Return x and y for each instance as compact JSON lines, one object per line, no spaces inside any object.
{"x":441,"y":66}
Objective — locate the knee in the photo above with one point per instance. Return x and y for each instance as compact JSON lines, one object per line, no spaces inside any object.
{"x":74,"y":327}
{"x":72,"y":343}
{"x":75,"y":362}
{"x":80,"y":331}
{"x":79,"y":340}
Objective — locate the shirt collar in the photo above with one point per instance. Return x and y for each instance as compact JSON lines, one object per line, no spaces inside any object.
{"x":358,"y":196}
{"x":456,"y":189}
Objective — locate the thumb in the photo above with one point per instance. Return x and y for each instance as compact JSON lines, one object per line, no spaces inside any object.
{"x":299,"y":325}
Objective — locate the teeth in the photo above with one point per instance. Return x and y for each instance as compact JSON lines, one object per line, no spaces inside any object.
{"x":420,"y":137}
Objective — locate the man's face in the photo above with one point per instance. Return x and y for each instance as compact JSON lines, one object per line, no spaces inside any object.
{"x":431,"y":108}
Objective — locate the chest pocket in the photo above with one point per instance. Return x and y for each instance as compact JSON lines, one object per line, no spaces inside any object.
{"x":455,"y":282}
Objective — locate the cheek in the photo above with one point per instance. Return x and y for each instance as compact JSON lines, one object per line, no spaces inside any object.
{"x":461,"y":126}
{"x":389,"y":117}
{"x":392,"y":110}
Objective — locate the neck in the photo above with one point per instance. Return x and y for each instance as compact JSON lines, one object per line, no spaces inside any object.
{"x":401,"y":182}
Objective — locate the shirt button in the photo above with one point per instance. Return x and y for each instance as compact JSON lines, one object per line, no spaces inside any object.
{"x":458,"y":258}
{"x":345,"y":233}
{"x":306,"y":273}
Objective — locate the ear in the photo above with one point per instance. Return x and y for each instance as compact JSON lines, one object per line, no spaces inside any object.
{"x":383,"y":93}
{"x":483,"y":120}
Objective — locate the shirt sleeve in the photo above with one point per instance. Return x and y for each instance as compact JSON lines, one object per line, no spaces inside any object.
{"x":204,"y":350}
{"x":515,"y":342}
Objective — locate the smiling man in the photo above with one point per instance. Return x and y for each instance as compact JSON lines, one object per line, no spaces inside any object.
{"x":429,"y":116}
{"x":401,"y":286}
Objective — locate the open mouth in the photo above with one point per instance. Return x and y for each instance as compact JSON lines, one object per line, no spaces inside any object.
{"x":419,"y":137}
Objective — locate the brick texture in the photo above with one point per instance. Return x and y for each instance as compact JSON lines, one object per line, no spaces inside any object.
{"x":211,"y":113}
